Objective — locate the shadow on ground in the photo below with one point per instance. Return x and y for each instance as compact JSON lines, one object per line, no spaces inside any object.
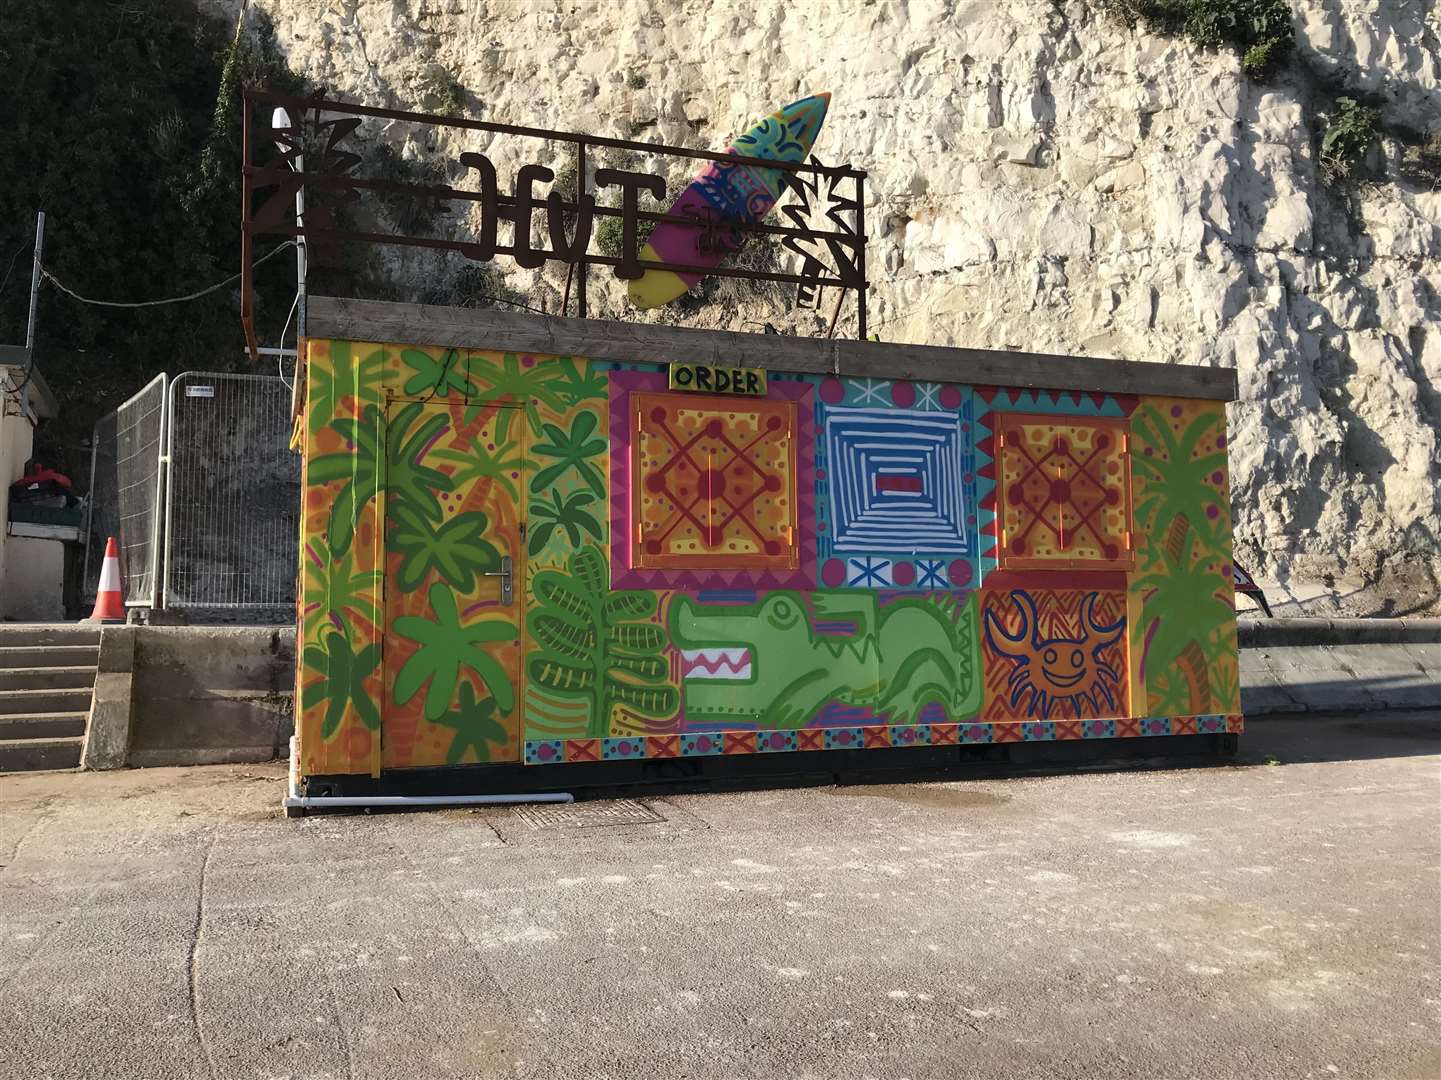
{"x":1340,"y":737}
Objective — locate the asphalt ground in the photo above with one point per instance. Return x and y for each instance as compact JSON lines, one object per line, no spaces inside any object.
{"x":1277,"y":916}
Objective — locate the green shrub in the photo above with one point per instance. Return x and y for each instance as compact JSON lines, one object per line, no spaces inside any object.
{"x":565,"y":178}
{"x":411,"y":214}
{"x":1422,"y":161}
{"x":1262,"y":60}
{"x":635,"y":80}
{"x":609,"y":233}
{"x":1260,"y":28}
{"x":441,"y":92}
{"x":474,"y":285}
{"x":607,"y":230}
{"x":1349,"y":137}
{"x":1243,"y":23}
{"x":124,"y":122}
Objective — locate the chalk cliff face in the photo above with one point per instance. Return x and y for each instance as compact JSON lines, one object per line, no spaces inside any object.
{"x":1041,"y":178}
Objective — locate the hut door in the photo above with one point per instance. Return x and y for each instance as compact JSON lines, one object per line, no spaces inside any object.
{"x":454,"y":559}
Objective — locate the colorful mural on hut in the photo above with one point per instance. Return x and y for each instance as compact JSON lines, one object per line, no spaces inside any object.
{"x":523,"y":558}
{"x":1184,"y":643}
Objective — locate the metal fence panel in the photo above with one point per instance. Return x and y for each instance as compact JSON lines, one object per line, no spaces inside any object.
{"x":126,"y":492}
{"x":233,"y":493}
{"x":103,"y":514}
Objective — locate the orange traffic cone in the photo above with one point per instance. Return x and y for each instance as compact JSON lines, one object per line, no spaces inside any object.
{"x":110,"y":597}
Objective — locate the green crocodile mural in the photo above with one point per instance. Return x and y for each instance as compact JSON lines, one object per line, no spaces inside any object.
{"x":777,"y":662}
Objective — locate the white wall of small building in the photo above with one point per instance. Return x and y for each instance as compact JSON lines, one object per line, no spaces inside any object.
{"x":31,"y":588}
{"x":17,"y":440}
{"x":32,"y":570}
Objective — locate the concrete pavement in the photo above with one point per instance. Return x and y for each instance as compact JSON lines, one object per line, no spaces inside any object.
{"x":1276,"y":917}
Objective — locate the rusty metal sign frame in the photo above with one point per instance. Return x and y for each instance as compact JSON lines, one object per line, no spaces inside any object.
{"x":831,"y":257}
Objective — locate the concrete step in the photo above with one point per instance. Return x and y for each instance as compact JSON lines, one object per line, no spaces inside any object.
{"x":26,"y":755}
{"x":47,"y":678}
{"x":52,"y":725}
{"x":20,"y":634}
{"x":42,"y":701}
{"x":23,"y":656}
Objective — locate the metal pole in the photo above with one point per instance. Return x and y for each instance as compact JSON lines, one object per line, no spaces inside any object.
{"x":579,"y":197}
{"x":90,"y":504}
{"x":158,"y":529}
{"x":35,"y":281}
{"x":168,"y":451}
{"x":247,"y":273}
{"x":299,"y":256}
{"x":300,"y":261}
{"x":861,"y":256}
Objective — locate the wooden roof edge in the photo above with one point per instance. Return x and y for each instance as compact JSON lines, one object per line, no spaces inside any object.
{"x":387,"y":322}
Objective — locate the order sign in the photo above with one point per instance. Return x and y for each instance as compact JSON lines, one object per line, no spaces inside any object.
{"x":715,"y":379}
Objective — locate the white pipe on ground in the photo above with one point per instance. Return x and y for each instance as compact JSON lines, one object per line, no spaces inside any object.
{"x":294,"y":801}
{"x":306,"y":802}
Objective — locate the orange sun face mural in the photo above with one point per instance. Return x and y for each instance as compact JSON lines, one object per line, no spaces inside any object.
{"x":1055,"y":654}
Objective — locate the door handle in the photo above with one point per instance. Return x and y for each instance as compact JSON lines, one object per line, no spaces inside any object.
{"x":504,"y":574}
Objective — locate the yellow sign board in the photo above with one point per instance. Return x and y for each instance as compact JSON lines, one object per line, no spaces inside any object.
{"x":716,"y":379}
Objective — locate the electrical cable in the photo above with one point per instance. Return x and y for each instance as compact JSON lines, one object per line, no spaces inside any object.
{"x":280,"y":357}
{"x":169,"y":299}
{"x":6,"y":280}
{"x":31,"y":363}
{"x":512,"y":303}
{"x":48,"y":276}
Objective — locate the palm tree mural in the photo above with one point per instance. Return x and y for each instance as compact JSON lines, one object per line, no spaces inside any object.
{"x":1181,"y":516}
{"x":446,"y":646}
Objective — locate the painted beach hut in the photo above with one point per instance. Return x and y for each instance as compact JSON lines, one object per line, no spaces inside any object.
{"x":540,"y":552}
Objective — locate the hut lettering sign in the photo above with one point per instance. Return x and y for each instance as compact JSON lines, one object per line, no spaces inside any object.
{"x":716,"y":379}
{"x":556,"y":212}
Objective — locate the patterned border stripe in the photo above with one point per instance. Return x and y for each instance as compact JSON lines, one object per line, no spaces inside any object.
{"x":708,"y":744}
{"x":770,"y":742}
{"x":911,"y":735}
{"x":1058,"y":402}
{"x":544,"y":751}
{"x":623,"y":749}
{"x":702,"y":745}
{"x":945,"y":734}
{"x":739,"y":742}
{"x":582,"y":750}
{"x":843,"y":738}
{"x":811,"y":739}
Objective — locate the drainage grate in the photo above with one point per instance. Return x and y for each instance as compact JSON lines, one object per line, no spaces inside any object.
{"x":587,"y":815}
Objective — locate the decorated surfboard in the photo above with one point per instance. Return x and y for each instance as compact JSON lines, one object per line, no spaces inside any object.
{"x":724,"y":193}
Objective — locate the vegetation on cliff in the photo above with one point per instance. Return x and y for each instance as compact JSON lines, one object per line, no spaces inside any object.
{"x":113,"y":127}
